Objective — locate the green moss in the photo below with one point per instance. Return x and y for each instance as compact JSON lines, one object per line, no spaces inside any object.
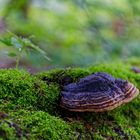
{"x":113,"y":124}
{"x":63,"y":76}
{"x":34,"y":125}
{"x":31,"y":100}
{"x":6,"y":131}
{"x":41,"y":125}
{"x":18,"y":89}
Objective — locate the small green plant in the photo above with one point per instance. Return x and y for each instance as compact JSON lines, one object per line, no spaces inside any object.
{"x":21,"y":46}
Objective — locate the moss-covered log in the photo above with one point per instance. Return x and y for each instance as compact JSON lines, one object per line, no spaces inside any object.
{"x":30,"y":107}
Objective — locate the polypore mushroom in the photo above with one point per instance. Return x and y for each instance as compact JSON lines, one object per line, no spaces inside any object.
{"x":97,"y":93}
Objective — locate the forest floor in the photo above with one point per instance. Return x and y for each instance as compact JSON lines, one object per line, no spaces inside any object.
{"x":30,"y":106}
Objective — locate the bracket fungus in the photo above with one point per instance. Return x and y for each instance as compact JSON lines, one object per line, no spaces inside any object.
{"x":97,"y":93}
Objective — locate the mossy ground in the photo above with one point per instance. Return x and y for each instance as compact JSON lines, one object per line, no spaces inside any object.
{"x":30,"y":107}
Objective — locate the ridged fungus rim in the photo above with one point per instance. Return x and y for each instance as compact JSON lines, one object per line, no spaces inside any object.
{"x":98,"y":92}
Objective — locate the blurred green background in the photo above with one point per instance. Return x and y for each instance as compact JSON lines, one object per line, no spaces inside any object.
{"x":72,"y":32}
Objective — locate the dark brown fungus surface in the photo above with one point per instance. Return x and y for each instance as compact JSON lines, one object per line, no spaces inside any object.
{"x":97,"y":93}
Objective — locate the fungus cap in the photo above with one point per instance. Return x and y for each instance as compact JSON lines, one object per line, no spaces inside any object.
{"x":97,"y":93}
